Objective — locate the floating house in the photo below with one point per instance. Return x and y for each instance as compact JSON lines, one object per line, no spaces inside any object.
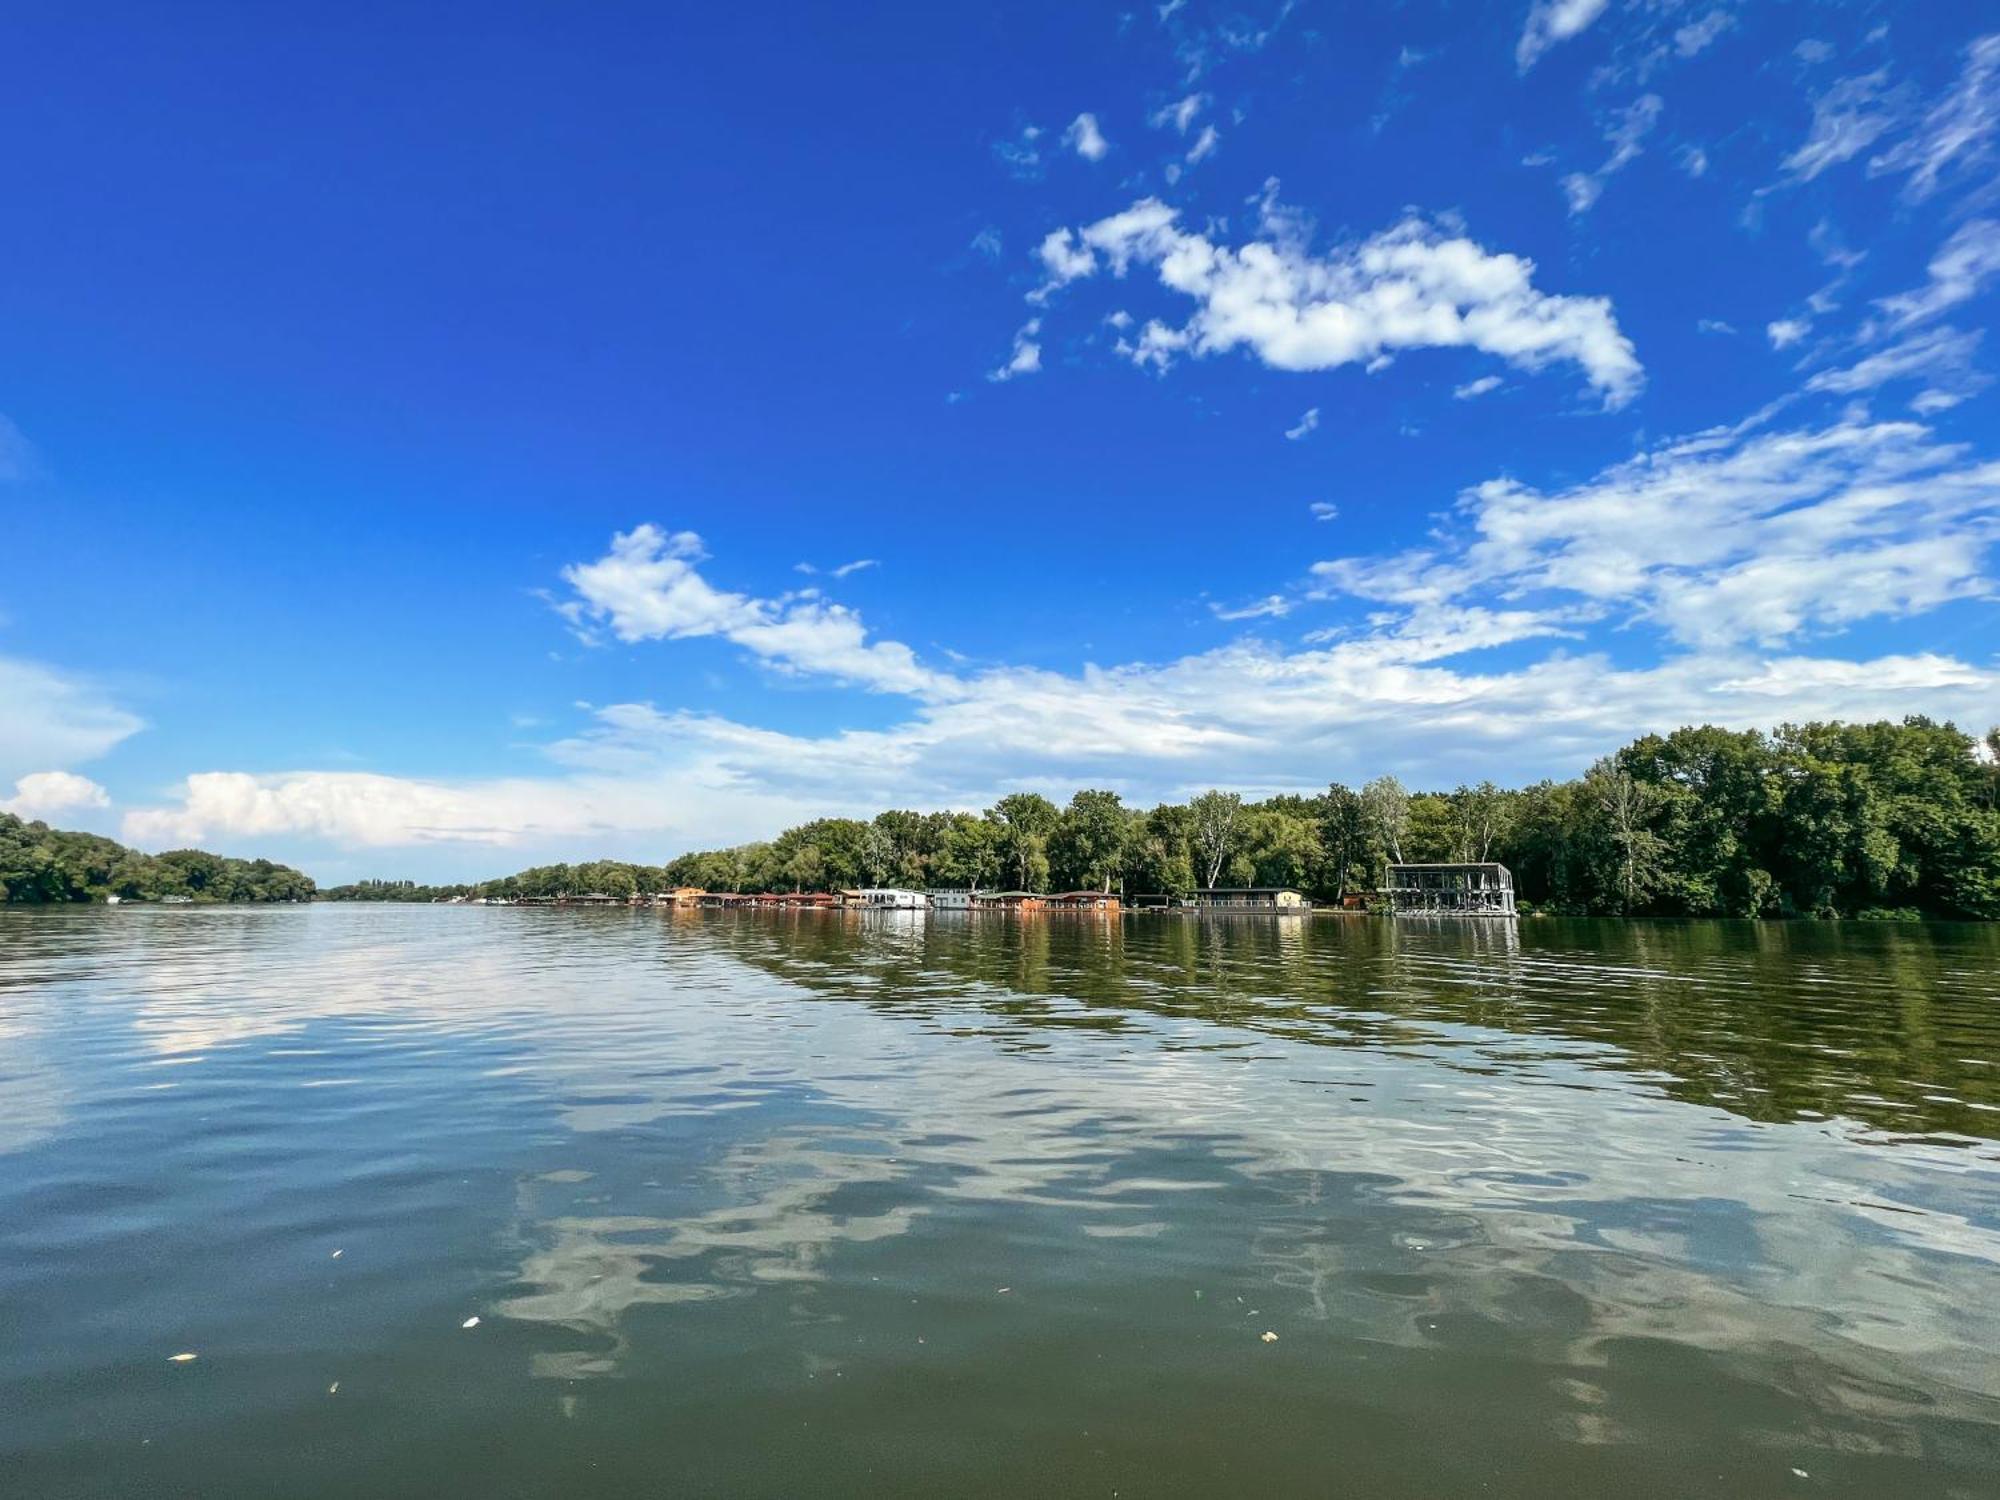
{"x":1264,"y":900}
{"x":1006,"y":901}
{"x":886,"y":898}
{"x":1082,"y":901}
{"x":951,"y":900}
{"x":1445,"y":890}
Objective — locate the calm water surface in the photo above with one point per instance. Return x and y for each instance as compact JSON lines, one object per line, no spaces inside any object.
{"x":853,"y":1205}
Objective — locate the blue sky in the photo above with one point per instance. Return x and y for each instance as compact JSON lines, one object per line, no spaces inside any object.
{"x":432,"y":443}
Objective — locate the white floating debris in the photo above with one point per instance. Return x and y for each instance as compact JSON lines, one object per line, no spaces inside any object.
{"x":1003,"y":1291}
{"x":182,"y":1359}
{"x":471,"y":1322}
{"x":1268,"y":1336}
{"x":338,"y":1253}
{"x":334,"y":1389}
{"x":1801,"y":1474}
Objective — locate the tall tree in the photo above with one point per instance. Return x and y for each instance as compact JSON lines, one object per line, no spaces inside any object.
{"x":1215,"y":814}
{"x":1387,"y":807}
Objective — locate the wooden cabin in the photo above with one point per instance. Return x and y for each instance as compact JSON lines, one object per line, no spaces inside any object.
{"x":1449,"y":890}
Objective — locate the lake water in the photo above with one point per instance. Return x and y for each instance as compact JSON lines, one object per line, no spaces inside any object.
{"x":878,"y":1205}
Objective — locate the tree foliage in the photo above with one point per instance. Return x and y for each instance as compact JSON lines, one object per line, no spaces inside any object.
{"x":40,"y":864}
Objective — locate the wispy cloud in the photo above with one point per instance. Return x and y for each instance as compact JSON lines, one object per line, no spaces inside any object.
{"x":1479,"y":387}
{"x":1625,"y":134}
{"x":1304,"y":427}
{"x":1957,"y":133}
{"x":55,"y":719}
{"x":1324,"y":510}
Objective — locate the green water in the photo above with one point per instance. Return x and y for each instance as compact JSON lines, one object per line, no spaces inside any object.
{"x":838,"y":1204}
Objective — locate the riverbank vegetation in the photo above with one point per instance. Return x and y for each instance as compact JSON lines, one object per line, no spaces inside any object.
{"x":1880,"y":819}
{"x":40,"y":864}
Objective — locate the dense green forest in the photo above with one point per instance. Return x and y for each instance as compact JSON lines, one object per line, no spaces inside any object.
{"x":1813,"y":820}
{"x":41,"y":864}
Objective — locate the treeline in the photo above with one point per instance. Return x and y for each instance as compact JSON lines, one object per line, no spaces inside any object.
{"x":1814,"y":820}
{"x":43,"y":864}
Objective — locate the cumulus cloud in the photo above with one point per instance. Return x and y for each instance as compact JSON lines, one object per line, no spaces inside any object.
{"x":51,"y":718}
{"x":42,"y":794}
{"x":1550,"y":22}
{"x":1085,"y":139}
{"x":1723,"y":540}
{"x":1026,"y":357}
{"x":647,"y":588}
{"x":1409,"y":287}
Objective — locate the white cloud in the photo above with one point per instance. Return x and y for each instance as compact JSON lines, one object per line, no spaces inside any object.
{"x":1306,"y":424}
{"x":1479,"y":387}
{"x":1958,"y":272}
{"x":1723,"y":540}
{"x":1847,"y":119}
{"x":1957,"y":133}
{"x":1271,"y":606}
{"x":1027,"y":356}
{"x":1550,"y":22}
{"x":855,"y":567}
{"x":1204,"y":145}
{"x":49,"y":718}
{"x":41,"y":794}
{"x":988,"y":243}
{"x":1942,"y":357}
{"x":1697,"y":35}
{"x":1413,"y":286}
{"x":1324,"y":510}
{"x":1085,"y":139}
{"x":1180,"y":114}
{"x":1714,"y":325}
{"x":1020,"y":156}
{"x":1625,"y":135}
{"x":1692,"y":160}
{"x":647,"y":588}
{"x":1785,"y":332}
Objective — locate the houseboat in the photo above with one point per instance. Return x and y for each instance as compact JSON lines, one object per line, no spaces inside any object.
{"x":1448,"y":890}
{"x":1258,"y":900}
{"x":886,"y":898}
{"x":1006,"y":901}
{"x":951,"y":900}
{"x":1082,"y":901}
